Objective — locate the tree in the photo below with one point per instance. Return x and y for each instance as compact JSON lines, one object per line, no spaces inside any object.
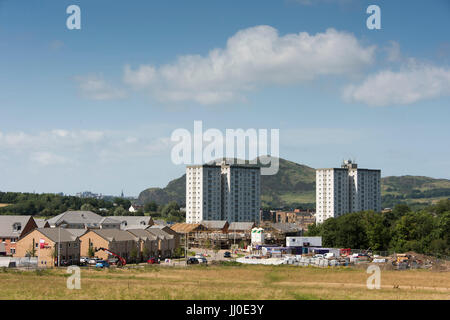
{"x":139,"y":213}
{"x":134,"y":254}
{"x":146,"y":253}
{"x":87,"y":207}
{"x":32,"y":251}
{"x":120,"y":211}
{"x":124,"y":203}
{"x":171,"y":207}
{"x":216,"y":249}
{"x":55,"y":253}
{"x":208,"y":244}
{"x":414,"y":231}
{"x":178,"y":252}
{"x":91,"y":251}
{"x":377,"y":230}
{"x":400,"y":210}
{"x":314,"y":230}
{"x":151,"y":207}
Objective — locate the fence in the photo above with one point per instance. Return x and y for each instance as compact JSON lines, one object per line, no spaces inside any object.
{"x":27,"y":262}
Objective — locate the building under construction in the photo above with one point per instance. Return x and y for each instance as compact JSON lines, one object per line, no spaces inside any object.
{"x":214,"y":234}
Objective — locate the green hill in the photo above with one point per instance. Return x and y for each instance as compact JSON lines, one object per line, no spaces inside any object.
{"x":294,"y":183}
{"x":415,"y":190}
{"x":294,"y":186}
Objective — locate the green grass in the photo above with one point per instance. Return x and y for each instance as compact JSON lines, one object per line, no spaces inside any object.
{"x":304,"y":197}
{"x":225,"y":282}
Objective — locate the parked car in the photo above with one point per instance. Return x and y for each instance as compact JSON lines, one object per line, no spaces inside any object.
{"x":84,"y":260}
{"x":94,"y":260}
{"x":202,"y":260}
{"x":152,"y":261}
{"x":227,"y":254}
{"x":192,"y":261}
{"x":102,"y":264}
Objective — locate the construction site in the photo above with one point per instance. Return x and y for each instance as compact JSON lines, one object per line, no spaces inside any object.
{"x":308,"y":251}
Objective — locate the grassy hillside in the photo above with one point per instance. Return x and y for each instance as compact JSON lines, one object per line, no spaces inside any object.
{"x":294,"y":186}
{"x":413,"y":190}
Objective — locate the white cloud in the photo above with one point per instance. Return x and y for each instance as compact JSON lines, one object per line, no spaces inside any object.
{"x":48,"y":139}
{"x":48,"y":158}
{"x":412,"y":83}
{"x":59,"y":146}
{"x":96,"y":88}
{"x":253,"y":58}
{"x":393,"y":51}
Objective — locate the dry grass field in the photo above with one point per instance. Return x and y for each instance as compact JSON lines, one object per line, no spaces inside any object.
{"x":225,"y":282}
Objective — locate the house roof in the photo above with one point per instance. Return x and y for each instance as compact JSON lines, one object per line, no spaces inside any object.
{"x":41,"y":223}
{"x":77,"y":232}
{"x":57,"y":234}
{"x":7,"y":225}
{"x":159,"y":233}
{"x":109,"y":220}
{"x":142,"y":234}
{"x":185,"y":227}
{"x":133,"y":222}
{"x":114,"y":234}
{"x":88,"y":218}
{"x":241,"y":226}
{"x":214,"y":224}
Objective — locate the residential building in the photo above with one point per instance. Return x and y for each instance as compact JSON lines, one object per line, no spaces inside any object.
{"x":43,"y":244}
{"x":133,"y":222}
{"x":203,"y":193}
{"x":346,"y":189}
{"x":241,"y":193}
{"x":120,"y":242}
{"x":11,"y":230}
{"x":77,"y":232}
{"x":166,"y":241}
{"x":135,"y":208}
{"x":41,"y":223}
{"x":222,"y":192}
{"x":168,"y":230}
{"x":83,"y":220}
{"x":148,"y":243}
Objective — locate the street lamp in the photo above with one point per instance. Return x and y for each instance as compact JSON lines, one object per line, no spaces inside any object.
{"x":59,"y":242}
{"x":185,"y":244}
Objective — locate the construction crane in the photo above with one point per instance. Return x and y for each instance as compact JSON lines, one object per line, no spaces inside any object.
{"x":121,"y":261}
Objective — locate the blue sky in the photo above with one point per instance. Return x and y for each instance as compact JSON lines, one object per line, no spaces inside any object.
{"x":94,"y":109}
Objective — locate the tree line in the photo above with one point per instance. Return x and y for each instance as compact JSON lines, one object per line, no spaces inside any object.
{"x":425,"y":231}
{"x":49,"y":205}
